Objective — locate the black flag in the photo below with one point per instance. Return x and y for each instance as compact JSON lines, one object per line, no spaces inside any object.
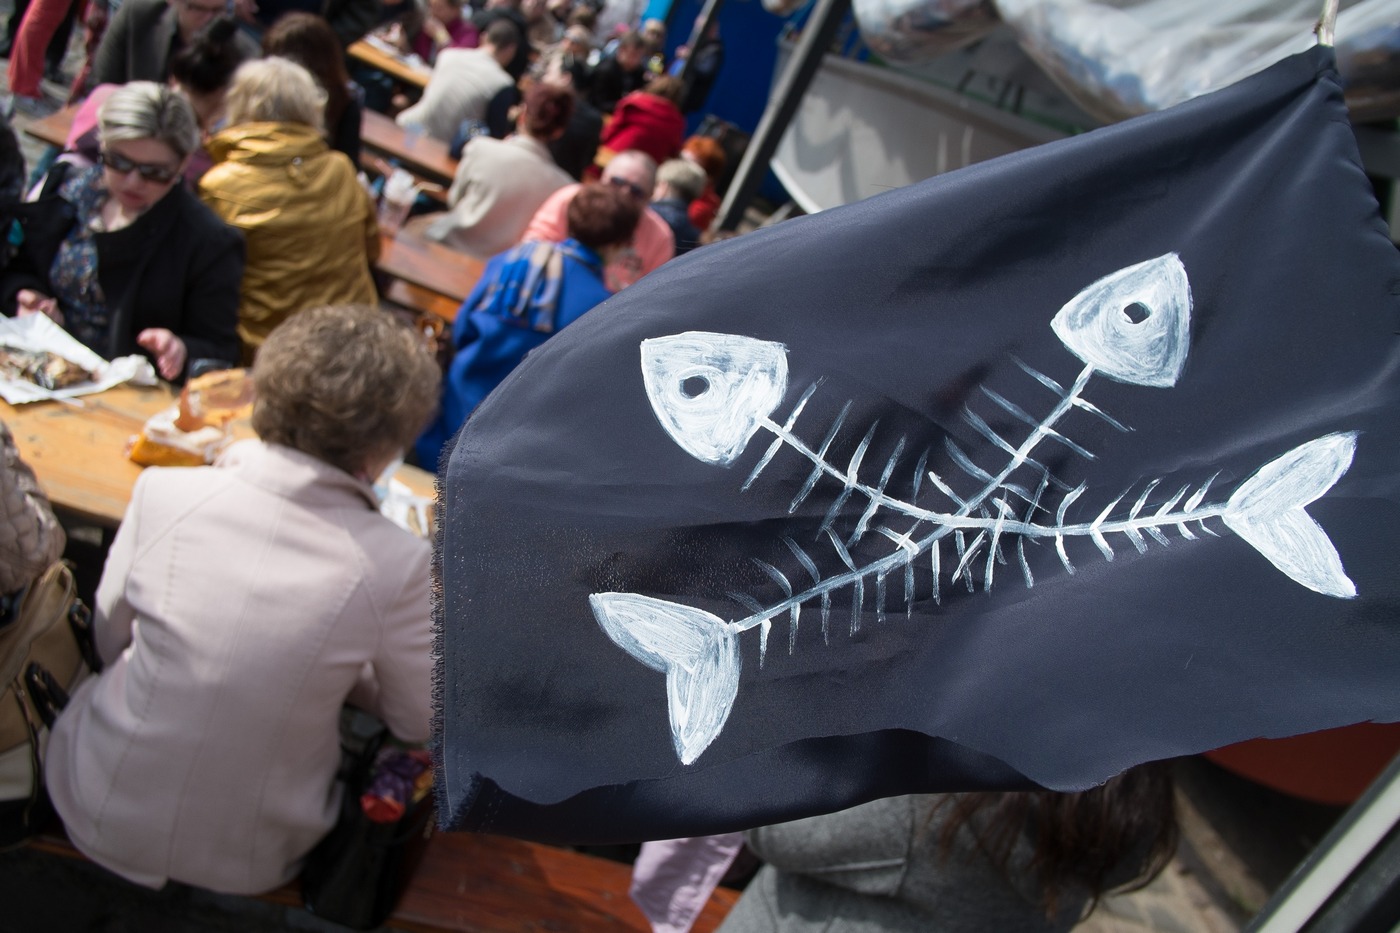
{"x":1079,"y":458}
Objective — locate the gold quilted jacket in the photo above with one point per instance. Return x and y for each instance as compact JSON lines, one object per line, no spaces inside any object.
{"x":309,"y":224}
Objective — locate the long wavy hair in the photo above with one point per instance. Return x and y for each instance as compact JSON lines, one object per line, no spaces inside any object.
{"x":1090,"y":840}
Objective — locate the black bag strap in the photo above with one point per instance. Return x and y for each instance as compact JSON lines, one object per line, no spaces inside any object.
{"x":45,"y":692}
{"x":80,"y":621}
{"x":36,"y":765}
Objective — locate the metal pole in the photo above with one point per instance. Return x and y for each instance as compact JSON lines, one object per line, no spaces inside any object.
{"x":708,"y":15}
{"x":1351,"y":881}
{"x":817,"y":37}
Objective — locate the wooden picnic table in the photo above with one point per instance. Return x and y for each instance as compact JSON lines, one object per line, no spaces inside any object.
{"x":370,"y":53}
{"x":423,"y":156}
{"x":419,"y":153}
{"x":413,"y":259}
{"x":79,"y":453}
{"x":54,"y":128}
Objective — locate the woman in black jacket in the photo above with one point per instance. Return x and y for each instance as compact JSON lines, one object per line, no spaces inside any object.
{"x":121,"y":254}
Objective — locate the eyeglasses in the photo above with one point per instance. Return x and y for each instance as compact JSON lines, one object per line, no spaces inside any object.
{"x":206,"y":10}
{"x":160,"y":174}
{"x":630,"y":187}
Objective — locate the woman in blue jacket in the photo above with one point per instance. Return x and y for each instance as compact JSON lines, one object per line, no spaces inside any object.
{"x":524,"y":295}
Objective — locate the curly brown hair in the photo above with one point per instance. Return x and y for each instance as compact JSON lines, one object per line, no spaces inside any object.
{"x":601,"y":215}
{"x":347,"y":384}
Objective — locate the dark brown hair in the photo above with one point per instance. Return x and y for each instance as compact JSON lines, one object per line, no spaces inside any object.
{"x":1119,"y":835}
{"x":208,"y":62}
{"x":548,"y":109}
{"x":308,"y":40}
{"x":602,"y":215}
{"x":502,"y":34}
{"x":631,"y":39}
{"x":345,"y":384}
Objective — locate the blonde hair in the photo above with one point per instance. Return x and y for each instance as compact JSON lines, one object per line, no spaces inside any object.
{"x":686,"y":179}
{"x":346,"y":384}
{"x":146,"y":110}
{"x":275,"y":90}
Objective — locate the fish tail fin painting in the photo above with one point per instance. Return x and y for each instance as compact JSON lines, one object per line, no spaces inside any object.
{"x":1269,"y":511}
{"x":696,"y":650}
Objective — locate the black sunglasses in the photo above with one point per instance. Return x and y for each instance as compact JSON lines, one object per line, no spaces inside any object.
{"x":633,"y":189}
{"x":160,"y":174}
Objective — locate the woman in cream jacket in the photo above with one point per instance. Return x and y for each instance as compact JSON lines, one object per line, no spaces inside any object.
{"x":241,"y":605}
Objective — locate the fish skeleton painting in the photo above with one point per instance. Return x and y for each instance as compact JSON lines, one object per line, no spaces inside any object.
{"x":712,"y":393}
{"x":1018,"y":477}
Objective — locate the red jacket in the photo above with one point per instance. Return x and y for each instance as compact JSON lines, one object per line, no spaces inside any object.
{"x":646,"y":122}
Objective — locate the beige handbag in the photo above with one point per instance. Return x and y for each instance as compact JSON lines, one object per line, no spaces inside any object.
{"x":46,"y":650}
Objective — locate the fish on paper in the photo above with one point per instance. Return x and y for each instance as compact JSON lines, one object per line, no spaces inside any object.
{"x":713,"y":393}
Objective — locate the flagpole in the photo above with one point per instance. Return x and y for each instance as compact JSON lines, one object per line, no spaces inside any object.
{"x":1326,"y":28}
{"x":817,"y":36}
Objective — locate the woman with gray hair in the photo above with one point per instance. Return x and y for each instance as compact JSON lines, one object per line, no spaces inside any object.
{"x":241,"y":605}
{"x":310,"y":225}
{"x":121,"y":254}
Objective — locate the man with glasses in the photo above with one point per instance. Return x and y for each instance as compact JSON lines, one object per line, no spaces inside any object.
{"x":652,"y":244}
{"x":145,"y":34}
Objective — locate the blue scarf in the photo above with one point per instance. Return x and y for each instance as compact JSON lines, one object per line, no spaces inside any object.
{"x":526,"y":290}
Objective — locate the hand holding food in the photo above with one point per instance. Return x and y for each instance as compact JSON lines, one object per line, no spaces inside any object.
{"x":28,"y":301}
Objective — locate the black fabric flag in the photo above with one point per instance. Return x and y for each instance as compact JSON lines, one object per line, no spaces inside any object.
{"x":1075,"y":459}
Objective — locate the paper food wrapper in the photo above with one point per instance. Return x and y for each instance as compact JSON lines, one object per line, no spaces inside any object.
{"x":404,"y":508}
{"x":38,"y":332}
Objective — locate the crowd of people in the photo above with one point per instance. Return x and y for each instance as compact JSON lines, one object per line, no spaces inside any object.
{"x":212,"y":208}
{"x":258,"y":117}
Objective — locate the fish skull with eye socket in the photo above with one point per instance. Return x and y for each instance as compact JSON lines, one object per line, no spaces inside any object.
{"x":711,"y":392}
{"x":1134,"y":325}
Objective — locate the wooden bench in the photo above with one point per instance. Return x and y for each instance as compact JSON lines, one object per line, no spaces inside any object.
{"x":424,"y":302}
{"x":420,"y":154}
{"x":54,"y":128}
{"x":391,"y":63}
{"x":491,"y":884}
{"x":435,"y":278}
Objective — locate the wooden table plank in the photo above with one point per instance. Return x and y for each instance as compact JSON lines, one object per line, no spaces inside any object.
{"x":490,"y":884}
{"x":412,"y":258}
{"x":54,"y":128}
{"x":372,"y":55}
{"x":417,"y":298}
{"x":422,"y":155}
{"x":79,"y":454}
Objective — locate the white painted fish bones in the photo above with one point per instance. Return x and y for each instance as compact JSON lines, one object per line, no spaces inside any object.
{"x":712,"y":393}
